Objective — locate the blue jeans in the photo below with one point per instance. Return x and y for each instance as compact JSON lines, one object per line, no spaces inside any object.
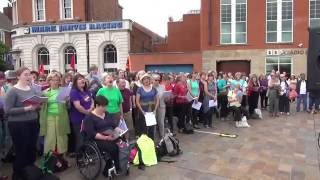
{"x":314,"y":101}
{"x":302,"y":98}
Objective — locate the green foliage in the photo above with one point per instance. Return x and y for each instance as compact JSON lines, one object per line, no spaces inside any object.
{"x":3,"y":51}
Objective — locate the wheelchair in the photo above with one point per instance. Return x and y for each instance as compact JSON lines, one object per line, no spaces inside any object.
{"x":90,"y":161}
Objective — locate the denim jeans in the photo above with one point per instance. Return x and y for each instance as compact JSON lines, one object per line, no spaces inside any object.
{"x":313,"y":101}
{"x":302,"y":98}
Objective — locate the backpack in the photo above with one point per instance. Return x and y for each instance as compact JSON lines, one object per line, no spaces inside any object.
{"x":188,"y":129}
{"x":168,"y":145}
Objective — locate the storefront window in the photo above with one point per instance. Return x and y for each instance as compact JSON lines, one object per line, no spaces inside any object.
{"x":279,"y":63}
{"x":44,"y":59}
{"x":70,"y":55}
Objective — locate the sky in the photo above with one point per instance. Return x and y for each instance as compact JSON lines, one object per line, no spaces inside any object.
{"x":153,"y":14}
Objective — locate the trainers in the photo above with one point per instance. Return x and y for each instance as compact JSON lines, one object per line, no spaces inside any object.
{"x":238,"y":124}
{"x":288,"y":114}
{"x":196,"y":126}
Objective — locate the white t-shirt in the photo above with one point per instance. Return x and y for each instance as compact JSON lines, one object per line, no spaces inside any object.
{"x":303,"y":87}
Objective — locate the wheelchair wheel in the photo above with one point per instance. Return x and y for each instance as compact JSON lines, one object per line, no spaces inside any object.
{"x":89,"y":161}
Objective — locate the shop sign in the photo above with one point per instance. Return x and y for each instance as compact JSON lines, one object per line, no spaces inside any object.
{"x":78,"y":27}
{"x":286,"y":52}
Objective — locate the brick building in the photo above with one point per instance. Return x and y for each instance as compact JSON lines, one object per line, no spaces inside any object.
{"x":179,"y":53}
{"x":54,"y":32}
{"x":5,"y":30}
{"x":252,"y":36}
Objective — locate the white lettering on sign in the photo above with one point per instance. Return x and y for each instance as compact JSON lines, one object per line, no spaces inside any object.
{"x":285,"y":52}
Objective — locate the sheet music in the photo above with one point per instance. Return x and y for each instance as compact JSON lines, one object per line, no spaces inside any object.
{"x":197,"y":105}
{"x":213,"y":103}
{"x":150,"y":119}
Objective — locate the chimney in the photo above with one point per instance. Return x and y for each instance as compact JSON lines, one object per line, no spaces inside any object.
{"x":8,"y":12}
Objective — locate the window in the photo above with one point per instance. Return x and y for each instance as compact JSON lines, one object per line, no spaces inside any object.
{"x":314,"y":13}
{"x":110,"y":54}
{"x":14,"y":12}
{"x":66,"y":9}
{"x":279,"y":63}
{"x":233,"y":25}
{"x":39,"y":10}
{"x":2,"y":37}
{"x":44,"y":59}
{"x":70,"y":54}
{"x":111,"y":70}
{"x":279,"y":21}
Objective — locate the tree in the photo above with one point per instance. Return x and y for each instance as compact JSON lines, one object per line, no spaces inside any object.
{"x":3,"y":52}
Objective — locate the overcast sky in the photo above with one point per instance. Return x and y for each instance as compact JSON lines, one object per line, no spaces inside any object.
{"x":152,"y":14}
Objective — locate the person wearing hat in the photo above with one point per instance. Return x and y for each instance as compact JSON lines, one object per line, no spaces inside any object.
{"x":11,"y":79}
{"x":147,"y":100}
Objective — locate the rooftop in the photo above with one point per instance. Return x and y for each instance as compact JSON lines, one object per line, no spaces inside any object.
{"x":5,"y":22}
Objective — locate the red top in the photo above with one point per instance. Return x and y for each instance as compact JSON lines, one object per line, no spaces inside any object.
{"x":168,"y":87}
{"x":252,"y":87}
{"x":180,"y":89}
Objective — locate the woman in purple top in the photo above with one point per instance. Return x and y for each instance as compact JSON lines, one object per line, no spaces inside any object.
{"x":81,"y":105}
{"x":263,"y":91}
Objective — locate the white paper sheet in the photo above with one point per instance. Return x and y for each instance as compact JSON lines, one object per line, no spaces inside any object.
{"x":63,"y":94}
{"x":197,"y":105}
{"x":123,"y":127}
{"x":150,"y":119}
{"x":213,"y":103}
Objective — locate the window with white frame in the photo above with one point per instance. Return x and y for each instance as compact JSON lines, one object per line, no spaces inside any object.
{"x":70,"y":54}
{"x":39,"y":10}
{"x":279,"y":21}
{"x":2,"y":36}
{"x":44,"y":59}
{"x":279,"y":63}
{"x":314,"y":13}
{"x":233,"y":21}
{"x":14,"y":12}
{"x":66,"y":9}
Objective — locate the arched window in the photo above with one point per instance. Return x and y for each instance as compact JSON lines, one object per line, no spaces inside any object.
{"x":44,"y":59}
{"x":70,"y":54}
{"x":110,"y":54}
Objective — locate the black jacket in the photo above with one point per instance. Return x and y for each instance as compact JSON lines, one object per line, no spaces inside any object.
{"x":299,"y":85}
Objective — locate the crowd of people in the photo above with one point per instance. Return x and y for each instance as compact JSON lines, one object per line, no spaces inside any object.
{"x":100,"y":101}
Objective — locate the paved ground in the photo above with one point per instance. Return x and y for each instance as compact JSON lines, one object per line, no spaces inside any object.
{"x":278,"y":148}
